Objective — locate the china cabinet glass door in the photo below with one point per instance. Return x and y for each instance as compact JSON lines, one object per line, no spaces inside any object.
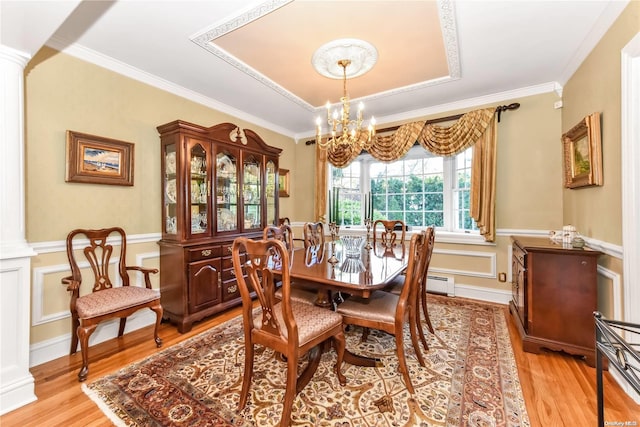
{"x":270,"y":195}
{"x":198,"y":189}
{"x":227,"y":191}
{"x":170,"y":190}
{"x":251,"y":193}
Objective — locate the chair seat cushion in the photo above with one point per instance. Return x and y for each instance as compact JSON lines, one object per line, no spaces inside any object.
{"x":311,"y":320}
{"x":381,"y":306}
{"x":299,"y":295}
{"x":113,"y":299}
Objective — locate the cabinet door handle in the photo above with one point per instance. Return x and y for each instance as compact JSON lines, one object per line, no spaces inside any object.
{"x":583,"y":262}
{"x":206,"y":252}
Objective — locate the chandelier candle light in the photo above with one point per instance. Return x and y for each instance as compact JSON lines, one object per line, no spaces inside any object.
{"x":350,"y":130}
{"x":345,"y":131}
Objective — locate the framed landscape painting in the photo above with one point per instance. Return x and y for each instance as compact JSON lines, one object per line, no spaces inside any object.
{"x":98,"y":160}
{"x":583,"y":153}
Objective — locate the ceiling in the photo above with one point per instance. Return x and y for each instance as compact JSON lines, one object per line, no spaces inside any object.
{"x":252,"y":59}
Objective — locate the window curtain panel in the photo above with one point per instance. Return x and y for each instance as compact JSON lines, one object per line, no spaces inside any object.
{"x":476,"y":128}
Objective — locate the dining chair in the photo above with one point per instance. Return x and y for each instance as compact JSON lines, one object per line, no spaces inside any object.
{"x":390,"y":312}
{"x":288,"y":327}
{"x":105,"y":300}
{"x":398,"y":283}
{"x":389,"y":232}
{"x":313,"y":233}
{"x":299,"y":289}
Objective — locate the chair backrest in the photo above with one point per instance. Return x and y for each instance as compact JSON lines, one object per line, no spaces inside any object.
{"x":257,"y":275}
{"x":389,"y":232}
{"x":284,"y":220}
{"x":313,"y":241}
{"x":430,"y":235}
{"x":98,"y":253}
{"x":415,"y":270}
{"x":284,"y":233}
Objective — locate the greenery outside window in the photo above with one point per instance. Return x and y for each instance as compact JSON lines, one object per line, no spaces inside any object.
{"x":421,"y":189}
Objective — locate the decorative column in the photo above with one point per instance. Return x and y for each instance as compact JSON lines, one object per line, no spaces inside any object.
{"x":16,"y":382}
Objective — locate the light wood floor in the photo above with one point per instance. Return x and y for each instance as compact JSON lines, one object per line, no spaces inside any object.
{"x":558,"y":389}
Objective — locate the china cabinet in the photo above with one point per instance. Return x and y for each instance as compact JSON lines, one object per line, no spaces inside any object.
{"x":218,"y":183}
{"x":554,"y":295}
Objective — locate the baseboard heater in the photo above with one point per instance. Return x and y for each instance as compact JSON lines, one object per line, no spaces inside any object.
{"x":441,"y":285}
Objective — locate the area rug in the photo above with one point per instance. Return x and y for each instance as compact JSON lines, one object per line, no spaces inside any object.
{"x":470,"y":379}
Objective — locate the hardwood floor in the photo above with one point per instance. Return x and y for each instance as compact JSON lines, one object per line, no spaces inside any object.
{"x":559,"y":390}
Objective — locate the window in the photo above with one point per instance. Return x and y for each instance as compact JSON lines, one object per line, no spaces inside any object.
{"x":421,"y":189}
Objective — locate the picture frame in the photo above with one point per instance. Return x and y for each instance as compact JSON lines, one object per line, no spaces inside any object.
{"x":97,"y":160}
{"x":582,"y":147}
{"x":283,"y":182}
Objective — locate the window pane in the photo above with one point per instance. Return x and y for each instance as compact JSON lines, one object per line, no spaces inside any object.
{"x":421,"y":189}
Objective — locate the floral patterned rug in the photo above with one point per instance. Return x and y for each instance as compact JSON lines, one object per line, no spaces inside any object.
{"x":470,"y":379}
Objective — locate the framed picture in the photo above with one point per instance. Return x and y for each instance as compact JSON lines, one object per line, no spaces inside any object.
{"x":583,"y":153}
{"x":97,"y":160}
{"x":283,"y":182}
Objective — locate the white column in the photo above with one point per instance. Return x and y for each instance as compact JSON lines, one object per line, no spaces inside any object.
{"x":16,"y":382}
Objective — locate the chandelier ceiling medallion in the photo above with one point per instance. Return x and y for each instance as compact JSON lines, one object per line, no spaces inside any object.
{"x":339,"y":58}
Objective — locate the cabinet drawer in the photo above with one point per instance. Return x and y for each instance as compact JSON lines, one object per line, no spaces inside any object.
{"x":230,"y":290}
{"x":205,"y":252}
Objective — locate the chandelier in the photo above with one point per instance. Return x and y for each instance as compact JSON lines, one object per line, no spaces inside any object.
{"x":345,"y":130}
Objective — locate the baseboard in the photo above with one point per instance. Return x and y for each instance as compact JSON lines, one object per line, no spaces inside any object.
{"x":46,"y":351}
{"x":483,"y":294}
{"x":16,"y":394}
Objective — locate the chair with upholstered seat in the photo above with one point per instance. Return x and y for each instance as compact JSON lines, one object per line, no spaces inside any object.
{"x":299,"y":289}
{"x":390,"y":312}
{"x":288,"y":327}
{"x":105,"y":300}
{"x":313,"y":233}
{"x":389,"y":232}
{"x":398,"y":283}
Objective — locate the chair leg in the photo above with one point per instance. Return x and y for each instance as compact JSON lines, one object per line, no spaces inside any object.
{"x":340,"y":345}
{"x":248,"y":373}
{"x":158,"y":310}
{"x":414,"y":328}
{"x":403,"y":362}
{"x":83,"y":334}
{"x":365,"y":334}
{"x":425,"y":311}
{"x":75,"y":324}
{"x":123,"y":323}
{"x":290,"y":393}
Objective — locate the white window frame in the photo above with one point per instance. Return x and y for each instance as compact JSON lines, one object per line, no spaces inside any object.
{"x":447,"y":233}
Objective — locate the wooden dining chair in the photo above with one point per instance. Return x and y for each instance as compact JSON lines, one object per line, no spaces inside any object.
{"x":399,"y":282}
{"x":390,"y":312}
{"x":286,"y":326}
{"x":389,"y":232}
{"x":313,"y":233}
{"x":299,"y":290}
{"x":105,"y":300}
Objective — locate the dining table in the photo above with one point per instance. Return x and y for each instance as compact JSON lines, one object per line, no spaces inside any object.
{"x":334,"y":271}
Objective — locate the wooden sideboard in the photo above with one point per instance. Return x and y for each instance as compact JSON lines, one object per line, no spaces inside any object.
{"x":554,"y":295}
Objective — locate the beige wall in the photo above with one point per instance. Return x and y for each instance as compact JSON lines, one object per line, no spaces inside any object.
{"x":64,"y":93}
{"x":595,"y":87}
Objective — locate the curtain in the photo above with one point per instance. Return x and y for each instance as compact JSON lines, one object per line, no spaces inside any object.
{"x":483,"y":182}
{"x":476,"y":128}
{"x":320,"y":208}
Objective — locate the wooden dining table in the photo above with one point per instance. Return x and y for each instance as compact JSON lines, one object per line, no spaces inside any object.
{"x":331,"y":271}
